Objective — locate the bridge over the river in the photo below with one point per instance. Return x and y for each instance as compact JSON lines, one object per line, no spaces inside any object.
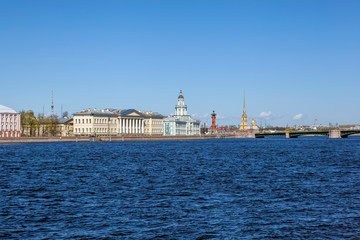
{"x":334,"y":133}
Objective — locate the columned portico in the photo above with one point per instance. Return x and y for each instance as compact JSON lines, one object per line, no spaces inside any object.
{"x":127,"y":126}
{"x":131,"y":125}
{"x":142,"y":126}
{"x":120,"y":125}
{"x":130,"y":122}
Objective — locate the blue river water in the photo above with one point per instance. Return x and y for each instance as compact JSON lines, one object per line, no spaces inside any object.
{"x":305,"y":188}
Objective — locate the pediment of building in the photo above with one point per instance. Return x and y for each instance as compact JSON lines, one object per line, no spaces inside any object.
{"x":131,"y":113}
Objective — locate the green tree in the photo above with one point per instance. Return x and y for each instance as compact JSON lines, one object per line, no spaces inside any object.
{"x":29,"y":123}
{"x":54,"y":123}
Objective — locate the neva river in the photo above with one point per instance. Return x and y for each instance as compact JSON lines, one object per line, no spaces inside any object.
{"x":305,"y":188}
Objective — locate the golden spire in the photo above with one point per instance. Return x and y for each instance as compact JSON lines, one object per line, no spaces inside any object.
{"x":244,"y":101}
{"x":243,"y":125}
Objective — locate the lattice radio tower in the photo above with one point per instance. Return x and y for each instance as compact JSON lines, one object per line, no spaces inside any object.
{"x":52,"y":104}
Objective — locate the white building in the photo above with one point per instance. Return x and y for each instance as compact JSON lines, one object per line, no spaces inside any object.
{"x":130,"y":121}
{"x":181,"y":123}
{"x":10,"y":122}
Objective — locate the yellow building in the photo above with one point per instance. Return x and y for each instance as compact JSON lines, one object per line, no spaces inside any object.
{"x":94,"y":122}
{"x":108,"y":122}
{"x":154,"y":124}
{"x":244,"y":123}
{"x":65,"y":127}
{"x":253,"y":124}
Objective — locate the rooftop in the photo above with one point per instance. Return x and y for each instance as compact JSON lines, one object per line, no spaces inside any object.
{"x":151,"y":114}
{"x":64,"y":120}
{"x":4,"y":109}
{"x":90,"y":111}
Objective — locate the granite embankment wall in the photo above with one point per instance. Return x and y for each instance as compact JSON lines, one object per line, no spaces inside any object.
{"x":96,"y":139}
{"x":43,"y":139}
{"x":121,"y":138}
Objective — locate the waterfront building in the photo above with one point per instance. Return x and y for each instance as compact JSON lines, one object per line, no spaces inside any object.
{"x":108,"y":122}
{"x":130,"y":121}
{"x":253,"y":124}
{"x":349,"y":127}
{"x":65,"y":127}
{"x":154,"y":123}
{"x":95,"y":122}
{"x":10,"y":122}
{"x":181,"y":123}
{"x":244,"y":123}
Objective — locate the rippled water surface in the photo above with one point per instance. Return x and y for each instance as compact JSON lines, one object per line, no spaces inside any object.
{"x":305,"y":188}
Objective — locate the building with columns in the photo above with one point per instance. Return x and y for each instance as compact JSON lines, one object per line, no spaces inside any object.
{"x":130,"y":121}
{"x":10,"y":122}
{"x":108,"y":122}
{"x":244,"y":123}
{"x":181,"y":123}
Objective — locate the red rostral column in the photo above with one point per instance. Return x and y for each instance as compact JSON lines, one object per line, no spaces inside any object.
{"x":213,"y":116}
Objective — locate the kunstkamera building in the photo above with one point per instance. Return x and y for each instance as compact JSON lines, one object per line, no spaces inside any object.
{"x":181,"y":123}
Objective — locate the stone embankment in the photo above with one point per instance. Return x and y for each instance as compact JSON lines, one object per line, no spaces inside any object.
{"x":122,"y":138}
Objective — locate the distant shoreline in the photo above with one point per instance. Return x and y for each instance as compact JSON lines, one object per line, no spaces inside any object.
{"x":118,"y":138}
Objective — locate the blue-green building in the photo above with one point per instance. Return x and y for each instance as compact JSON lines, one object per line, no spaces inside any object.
{"x":181,"y":123}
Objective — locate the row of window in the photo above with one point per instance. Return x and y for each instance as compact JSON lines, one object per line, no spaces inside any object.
{"x":96,"y":130}
{"x":105,"y":130}
{"x":10,"y":134}
{"x":82,"y":121}
{"x":9,"y":120}
{"x":8,"y":127}
{"x":96,"y":121}
{"x":104,"y":120}
{"x":154,"y":131}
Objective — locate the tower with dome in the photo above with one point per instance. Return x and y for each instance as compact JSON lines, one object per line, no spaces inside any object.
{"x":181,"y":123}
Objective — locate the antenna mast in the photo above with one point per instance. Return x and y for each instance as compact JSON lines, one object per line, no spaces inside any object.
{"x":52,"y":104}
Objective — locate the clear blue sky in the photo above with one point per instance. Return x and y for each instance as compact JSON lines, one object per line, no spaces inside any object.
{"x":291,"y":57}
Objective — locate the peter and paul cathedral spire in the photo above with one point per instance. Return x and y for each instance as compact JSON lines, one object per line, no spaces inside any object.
{"x":244,"y":124}
{"x":244,"y":103}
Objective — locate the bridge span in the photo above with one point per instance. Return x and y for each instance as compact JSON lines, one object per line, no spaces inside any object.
{"x":334,"y":133}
